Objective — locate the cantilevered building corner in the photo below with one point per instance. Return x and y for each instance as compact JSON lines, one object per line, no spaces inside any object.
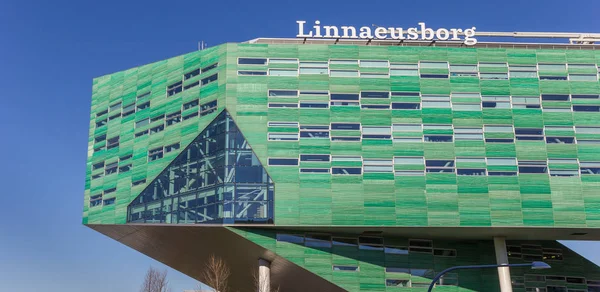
{"x":355,"y":165}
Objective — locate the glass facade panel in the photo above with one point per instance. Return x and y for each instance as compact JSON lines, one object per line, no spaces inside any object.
{"x":216,"y":179}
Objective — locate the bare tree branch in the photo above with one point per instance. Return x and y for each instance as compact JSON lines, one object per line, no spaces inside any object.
{"x":216,"y":274}
{"x":155,"y":281}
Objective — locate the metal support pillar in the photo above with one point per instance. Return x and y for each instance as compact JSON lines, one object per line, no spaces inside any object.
{"x":264,"y":276}
{"x":502,"y":258}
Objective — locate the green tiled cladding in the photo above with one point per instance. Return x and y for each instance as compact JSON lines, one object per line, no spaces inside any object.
{"x":368,"y":199}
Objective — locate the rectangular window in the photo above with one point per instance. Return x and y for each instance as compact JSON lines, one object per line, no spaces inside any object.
{"x":582,"y":66}
{"x":343,"y":73}
{"x":314,"y":134}
{"x":143,"y":95}
{"x":552,"y":67}
{"x":252,"y":73}
{"x":586,"y":108}
{"x":283,"y":161}
{"x":191,"y":74}
{"x":471,"y":171}
{"x":100,"y":138}
{"x":157,"y":129}
{"x":95,"y":200}
{"x":209,"y":67}
{"x":378,"y":165}
{"x":191,"y":104}
{"x":373,"y":75}
{"x":585,"y":96}
{"x":283,"y":72}
{"x":155,"y":154}
{"x":314,"y":104}
{"x":189,"y":116}
{"x":125,"y":168}
{"x":433,"y":76}
{"x":172,"y":147}
{"x":110,"y":168}
{"x":138,"y":182}
{"x":587,"y":130}
{"x":343,"y":62}
{"x":318,"y":240}
{"x":252,"y":61}
{"x":437,"y":138}
{"x":439,"y":166}
{"x":346,"y":170}
{"x":282,"y":105}
{"x":314,"y":170}
{"x":369,"y":132}
{"x":174,"y":88}
{"x":128,"y":109}
{"x":406,"y":105}
{"x":468,"y":134}
{"x":313,"y":71}
{"x":433,"y":65}
{"x":589,"y":168}
{"x":526,"y":102}
{"x":492,"y":65}
{"x":529,"y":134}
{"x":283,"y":137}
{"x":374,"y":94}
{"x":98,"y":165}
{"x":209,"y":79}
{"x":344,"y":96}
{"x":142,"y":133}
{"x":291,"y":238}
{"x":173,"y":118}
{"x":102,"y":113}
{"x":435,"y":101}
{"x":115,"y":107}
{"x":191,"y":85}
{"x":157,"y":118}
{"x":493,"y":76}
{"x":112,"y":142}
{"x":397,"y":283}
{"x":283,"y":124}
{"x":283,"y":61}
{"x":101,"y":123}
{"x":315,"y":157}
{"x":553,"y":77}
{"x":370,"y":243}
{"x":533,"y":167}
{"x":555,"y":97}
{"x":374,"y":63}
{"x":143,"y":106}
{"x":345,"y":126}
{"x":208,"y":108}
{"x":283,"y":93}
{"x":345,"y":268}
{"x":463,"y":70}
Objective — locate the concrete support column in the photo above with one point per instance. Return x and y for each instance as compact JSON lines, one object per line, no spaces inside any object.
{"x":502,"y":258}
{"x":264,"y":276}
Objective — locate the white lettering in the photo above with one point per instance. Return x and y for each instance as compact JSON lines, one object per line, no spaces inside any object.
{"x":329,"y":29}
{"x":426,"y":33}
{"x":412,"y":33}
{"x":317,"y":29}
{"x":381,"y":33}
{"x":442,"y":34}
{"x":393,"y":35}
{"x":349,"y":28}
{"x":455,"y":33}
{"x":469,"y":37}
{"x":421,"y":32}
{"x":365,"y":33}
{"x":301,"y":33}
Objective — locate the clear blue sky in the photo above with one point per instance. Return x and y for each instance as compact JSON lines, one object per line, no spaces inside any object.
{"x":51,"y":50}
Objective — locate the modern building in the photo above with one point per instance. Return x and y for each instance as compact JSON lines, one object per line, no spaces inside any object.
{"x":355,"y":165}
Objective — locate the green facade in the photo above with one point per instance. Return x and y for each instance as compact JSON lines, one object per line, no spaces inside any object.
{"x":541,"y":173}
